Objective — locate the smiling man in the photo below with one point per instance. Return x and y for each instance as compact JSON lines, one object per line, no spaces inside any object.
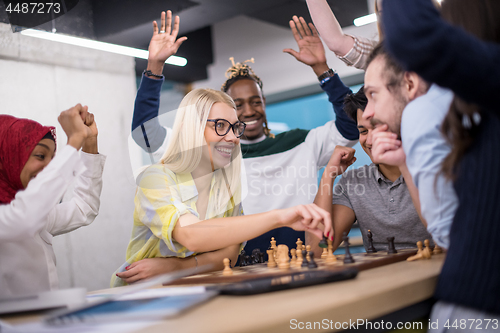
{"x":375,"y":195}
{"x":281,"y":171}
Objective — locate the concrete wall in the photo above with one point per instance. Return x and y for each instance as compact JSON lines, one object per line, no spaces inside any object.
{"x":39,"y":80}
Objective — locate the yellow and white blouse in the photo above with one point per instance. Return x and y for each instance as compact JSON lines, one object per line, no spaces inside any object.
{"x":162,"y":197}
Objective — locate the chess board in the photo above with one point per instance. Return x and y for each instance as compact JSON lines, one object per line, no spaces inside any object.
{"x":363,"y":261}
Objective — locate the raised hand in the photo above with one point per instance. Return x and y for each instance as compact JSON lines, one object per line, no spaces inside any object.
{"x":341,"y":159}
{"x":311,"y":50}
{"x":72,"y":122}
{"x":386,"y":147}
{"x":90,"y":143}
{"x":163,"y":44}
{"x":309,"y":218}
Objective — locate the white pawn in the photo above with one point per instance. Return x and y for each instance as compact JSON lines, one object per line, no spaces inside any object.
{"x":227,"y":268}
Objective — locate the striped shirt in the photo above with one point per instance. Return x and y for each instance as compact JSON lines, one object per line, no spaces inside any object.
{"x":359,"y":53}
{"x":162,"y":197}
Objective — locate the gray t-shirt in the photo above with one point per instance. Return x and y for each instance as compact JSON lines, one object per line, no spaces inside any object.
{"x":382,"y":206}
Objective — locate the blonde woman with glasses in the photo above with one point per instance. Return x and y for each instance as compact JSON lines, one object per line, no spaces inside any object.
{"x":188,"y":207}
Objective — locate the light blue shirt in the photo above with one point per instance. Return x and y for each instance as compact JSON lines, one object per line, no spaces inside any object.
{"x":425,"y":148}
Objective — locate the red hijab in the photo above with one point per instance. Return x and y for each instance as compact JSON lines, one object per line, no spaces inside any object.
{"x":18,"y":138}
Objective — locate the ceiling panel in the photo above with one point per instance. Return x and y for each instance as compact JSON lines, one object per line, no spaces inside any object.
{"x":128,"y":22}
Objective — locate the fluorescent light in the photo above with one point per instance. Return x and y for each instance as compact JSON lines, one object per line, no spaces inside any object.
{"x":102,"y":46}
{"x":365,"y":19}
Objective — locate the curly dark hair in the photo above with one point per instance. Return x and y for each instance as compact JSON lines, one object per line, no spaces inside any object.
{"x":355,"y":102}
{"x":241,"y":71}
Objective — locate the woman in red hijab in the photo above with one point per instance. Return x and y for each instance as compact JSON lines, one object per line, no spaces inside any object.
{"x":31,"y":189}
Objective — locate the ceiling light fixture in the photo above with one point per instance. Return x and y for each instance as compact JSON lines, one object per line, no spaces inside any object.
{"x":102,"y":46}
{"x":363,"y":20}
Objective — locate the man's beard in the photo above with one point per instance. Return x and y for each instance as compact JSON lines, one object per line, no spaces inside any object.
{"x":400,"y":104}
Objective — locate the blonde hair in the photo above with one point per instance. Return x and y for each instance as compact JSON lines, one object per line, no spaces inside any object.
{"x":184,"y":152}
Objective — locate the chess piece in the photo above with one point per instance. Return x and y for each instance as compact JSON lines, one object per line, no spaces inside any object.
{"x":325,"y":253}
{"x":283,"y":248}
{"x":273,"y":243}
{"x":419,"y":254}
{"x":255,"y":256}
{"x":275,"y":248}
{"x":371,"y":248}
{"x":299,"y":252}
{"x":242,"y":258}
{"x":330,"y":258}
{"x":293,"y":262}
{"x":308,"y":249}
{"x":426,"y":251}
{"x":261,"y":257}
{"x":283,"y":259}
{"x":312,"y":263}
{"x":227,"y":268}
{"x":299,"y":246}
{"x":437,"y":249}
{"x":298,"y":263}
{"x":305,"y":261}
{"x":270,"y":259}
{"x":391,"y":249}
{"x":348,"y":259}
{"x":323,"y":243}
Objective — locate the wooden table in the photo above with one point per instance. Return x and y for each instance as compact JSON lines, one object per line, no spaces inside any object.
{"x":372,"y":294}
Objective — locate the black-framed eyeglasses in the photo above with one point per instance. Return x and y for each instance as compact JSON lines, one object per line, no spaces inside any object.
{"x":222,"y":127}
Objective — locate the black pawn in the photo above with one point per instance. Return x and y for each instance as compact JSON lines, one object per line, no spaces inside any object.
{"x":305,"y":263}
{"x":255,"y":256}
{"x":323,"y":243}
{"x":261,"y":257}
{"x":248,"y":261}
{"x":391,"y":249}
{"x":348,"y":259}
{"x":371,"y":248}
{"x":242,"y":259}
{"x":312,"y":263}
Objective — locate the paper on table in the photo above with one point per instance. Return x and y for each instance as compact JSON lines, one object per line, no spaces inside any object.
{"x":118,"y":327}
{"x":154,"y":293}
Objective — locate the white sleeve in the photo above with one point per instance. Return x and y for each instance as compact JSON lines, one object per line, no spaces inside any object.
{"x":27,"y":214}
{"x":83,"y":208}
{"x":425,"y":149}
{"x":322,"y":140}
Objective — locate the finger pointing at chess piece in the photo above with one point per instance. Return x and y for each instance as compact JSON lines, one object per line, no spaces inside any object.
{"x":309,"y":218}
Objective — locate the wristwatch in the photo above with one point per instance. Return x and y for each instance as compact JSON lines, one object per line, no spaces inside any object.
{"x":329,"y":73}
